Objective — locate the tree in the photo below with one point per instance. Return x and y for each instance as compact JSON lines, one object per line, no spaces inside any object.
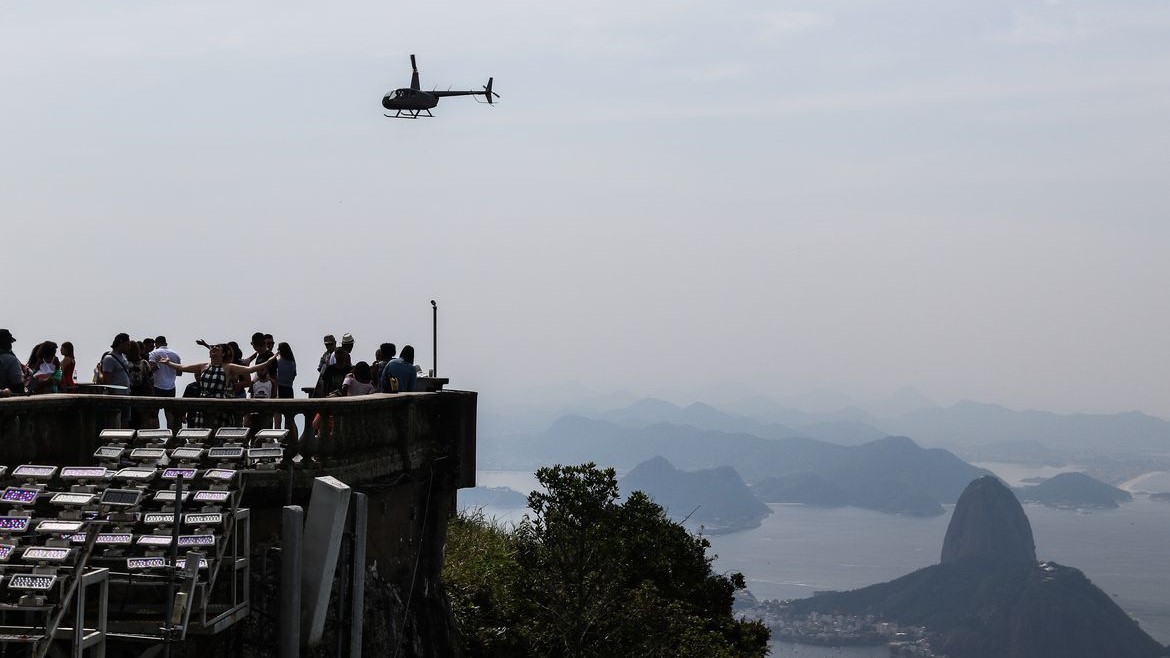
{"x":594,"y":577}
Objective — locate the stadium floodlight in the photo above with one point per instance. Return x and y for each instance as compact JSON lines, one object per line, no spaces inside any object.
{"x":6,"y":551}
{"x":67,"y":498}
{"x":84,"y":473}
{"x":154,"y":435}
{"x":45,"y":554}
{"x":195,"y":434}
{"x":137,"y":474}
{"x":187,"y":453}
{"x":114,"y":538}
{"x":121,"y":436}
{"x":59,"y":527}
{"x":138,"y":563}
{"x":183,"y":563}
{"x":272,"y":435}
{"x":228,"y":452}
{"x":221,"y":474}
{"x":109,"y":452}
{"x":35,"y":472}
{"x":265,"y":453}
{"x":212,"y":496}
{"x":20,"y":496}
{"x":158,"y":518}
{"x":203,"y":518}
{"x":13,"y":524}
{"x":196,"y":540}
{"x":168,"y":495}
{"x":154,"y":540}
{"x":121,"y":497}
{"x":232,"y":433}
{"x":176,"y":473}
{"x":148,"y":453}
{"x":32,"y":581}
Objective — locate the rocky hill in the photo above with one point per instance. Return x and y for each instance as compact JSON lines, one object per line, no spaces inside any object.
{"x":989,"y":523}
{"x":989,"y":597}
{"x":716,"y":498}
{"x":1075,"y":490}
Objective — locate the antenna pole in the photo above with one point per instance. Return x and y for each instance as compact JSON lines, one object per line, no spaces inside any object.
{"x":434,"y":339}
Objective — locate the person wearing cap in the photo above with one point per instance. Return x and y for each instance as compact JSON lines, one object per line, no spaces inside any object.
{"x":330,"y":345}
{"x":115,"y":367}
{"x":11,"y":375}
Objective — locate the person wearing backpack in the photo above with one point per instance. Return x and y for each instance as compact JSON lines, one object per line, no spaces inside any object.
{"x":115,"y":369}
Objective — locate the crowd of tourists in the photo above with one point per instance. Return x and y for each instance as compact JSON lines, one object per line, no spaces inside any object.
{"x":150,"y":367}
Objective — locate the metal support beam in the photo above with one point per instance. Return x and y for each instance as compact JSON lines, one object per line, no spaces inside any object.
{"x":358,"y":598}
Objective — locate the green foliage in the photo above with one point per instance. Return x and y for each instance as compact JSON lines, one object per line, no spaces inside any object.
{"x":479,"y":568}
{"x":586,"y":576}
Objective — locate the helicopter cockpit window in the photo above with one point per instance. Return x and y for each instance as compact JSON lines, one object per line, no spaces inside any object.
{"x":401,"y":93}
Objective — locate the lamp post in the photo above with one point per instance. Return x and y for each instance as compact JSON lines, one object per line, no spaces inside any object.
{"x":434,"y":339}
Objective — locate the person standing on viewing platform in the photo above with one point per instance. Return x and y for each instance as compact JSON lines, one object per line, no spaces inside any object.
{"x":261,"y":350}
{"x":286,"y":374}
{"x":385,"y":352}
{"x":141,"y":385}
{"x":213,"y":377}
{"x":164,"y":375}
{"x":68,"y":367}
{"x":347,"y":345}
{"x":402,"y":370}
{"x":286,"y":371}
{"x":11,"y":375}
{"x":115,"y":369}
{"x":44,"y":369}
{"x":330,"y":346}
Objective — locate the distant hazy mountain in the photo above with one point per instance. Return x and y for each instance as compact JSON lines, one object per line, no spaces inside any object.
{"x":977,"y":423}
{"x":832,"y":428}
{"x":892,"y":474}
{"x":716,"y":498}
{"x":989,"y":597}
{"x":1075,"y":490}
{"x":502,"y":497}
{"x":889,"y":475}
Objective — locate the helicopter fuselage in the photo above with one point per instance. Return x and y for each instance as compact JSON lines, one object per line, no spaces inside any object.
{"x":409,"y":99}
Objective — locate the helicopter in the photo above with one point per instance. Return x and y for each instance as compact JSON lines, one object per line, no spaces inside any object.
{"x":413,"y":102}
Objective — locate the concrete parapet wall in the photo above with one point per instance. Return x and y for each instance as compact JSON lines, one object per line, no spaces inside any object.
{"x":408,"y":452}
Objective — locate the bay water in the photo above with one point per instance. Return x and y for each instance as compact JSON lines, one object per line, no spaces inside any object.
{"x":799,"y":550}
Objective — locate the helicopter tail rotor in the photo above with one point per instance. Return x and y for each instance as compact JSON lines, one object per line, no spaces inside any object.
{"x":488,"y":93}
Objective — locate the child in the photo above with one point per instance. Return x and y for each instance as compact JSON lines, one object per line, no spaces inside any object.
{"x":263,"y":388}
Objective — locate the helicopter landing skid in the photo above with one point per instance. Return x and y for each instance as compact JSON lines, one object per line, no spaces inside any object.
{"x":409,"y":114}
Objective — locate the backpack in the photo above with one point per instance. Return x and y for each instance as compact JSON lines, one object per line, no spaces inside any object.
{"x":97,"y":370}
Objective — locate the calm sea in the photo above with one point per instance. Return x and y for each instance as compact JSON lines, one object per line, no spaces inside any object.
{"x":798,"y":550}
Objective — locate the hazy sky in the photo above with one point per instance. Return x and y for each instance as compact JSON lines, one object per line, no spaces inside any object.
{"x":966,"y":197}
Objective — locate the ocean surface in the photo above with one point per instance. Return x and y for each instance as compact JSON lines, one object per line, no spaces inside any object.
{"x":798,"y":550}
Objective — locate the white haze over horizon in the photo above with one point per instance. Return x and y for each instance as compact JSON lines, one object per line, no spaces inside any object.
{"x":672,"y":197}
